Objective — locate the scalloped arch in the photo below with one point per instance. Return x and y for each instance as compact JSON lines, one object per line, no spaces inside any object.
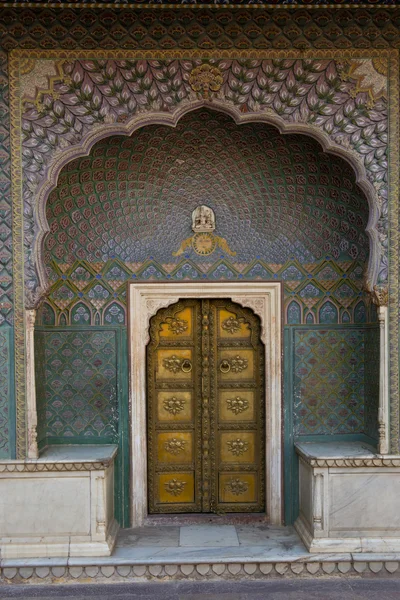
{"x":139,"y":121}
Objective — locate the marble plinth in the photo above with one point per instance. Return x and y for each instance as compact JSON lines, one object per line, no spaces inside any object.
{"x":61,"y":504}
{"x":348,"y":498}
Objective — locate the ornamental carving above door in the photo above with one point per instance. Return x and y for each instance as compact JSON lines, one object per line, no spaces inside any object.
{"x":205,"y":391}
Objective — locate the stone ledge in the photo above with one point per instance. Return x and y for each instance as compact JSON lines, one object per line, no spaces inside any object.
{"x":59,"y":571}
{"x":64,"y":458}
{"x":31,"y":467}
{"x":353,"y":462}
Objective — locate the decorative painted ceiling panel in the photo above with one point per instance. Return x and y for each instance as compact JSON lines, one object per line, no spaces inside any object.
{"x":285,"y":209}
{"x":275,"y":197}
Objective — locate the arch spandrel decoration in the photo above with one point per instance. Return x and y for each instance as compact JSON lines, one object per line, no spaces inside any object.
{"x":75,"y":102}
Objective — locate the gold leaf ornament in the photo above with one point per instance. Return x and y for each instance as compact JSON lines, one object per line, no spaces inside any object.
{"x":237,"y":405}
{"x":205,"y":79}
{"x":175,"y":446}
{"x":237,"y":487}
{"x":174,"y":405}
{"x":174,"y":487}
{"x":237,"y":447}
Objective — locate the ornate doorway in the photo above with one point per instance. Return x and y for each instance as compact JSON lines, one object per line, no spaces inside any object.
{"x":205,"y":393}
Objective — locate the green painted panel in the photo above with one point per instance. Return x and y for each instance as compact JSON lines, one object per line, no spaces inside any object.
{"x":372,"y":341}
{"x":7,"y":409}
{"x":82,"y":394}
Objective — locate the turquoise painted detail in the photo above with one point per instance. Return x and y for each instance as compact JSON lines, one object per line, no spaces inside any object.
{"x":360,"y":313}
{"x":7,"y":409}
{"x":344,"y":358}
{"x":82,"y":394}
{"x":328,"y":313}
{"x":294,"y":313}
{"x":372,"y":341}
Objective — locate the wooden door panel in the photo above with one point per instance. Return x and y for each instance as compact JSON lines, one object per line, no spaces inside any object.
{"x":236,"y":405}
{"x":175,"y":406}
{"x":206,"y":409}
{"x":175,"y":447}
{"x":174,"y":432}
{"x":237,"y":447}
{"x":238,"y":487}
{"x":176,"y":488}
{"x":174,"y":364}
{"x":178,"y":326}
{"x":239,"y":424}
{"x":229,"y":324}
{"x":236,"y":365}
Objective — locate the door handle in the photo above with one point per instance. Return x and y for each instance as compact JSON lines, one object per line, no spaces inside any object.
{"x":224,"y":366}
{"x":186,"y":366}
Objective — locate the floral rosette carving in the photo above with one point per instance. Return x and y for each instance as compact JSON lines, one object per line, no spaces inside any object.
{"x":232,"y":325}
{"x":177,"y":326}
{"x":237,"y":405}
{"x":173,"y":363}
{"x":238,"y":446}
{"x":237,"y":487}
{"x":175,"y":446}
{"x":239,"y":364}
{"x":175,"y":487}
{"x":174,"y":405}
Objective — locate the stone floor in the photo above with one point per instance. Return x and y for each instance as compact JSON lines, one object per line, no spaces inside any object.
{"x":216,"y":543}
{"x":195,"y":552}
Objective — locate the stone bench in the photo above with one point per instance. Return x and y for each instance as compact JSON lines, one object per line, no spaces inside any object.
{"x":61,"y":504}
{"x":349,"y":498}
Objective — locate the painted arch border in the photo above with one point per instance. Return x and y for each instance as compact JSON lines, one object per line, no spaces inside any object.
{"x":83,"y":148}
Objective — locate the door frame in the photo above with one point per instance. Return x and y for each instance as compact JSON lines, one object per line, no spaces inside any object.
{"x":265,"y":299}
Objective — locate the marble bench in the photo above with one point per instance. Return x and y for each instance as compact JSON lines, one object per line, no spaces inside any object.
{"x":349,"y":498}
{"x":61,"y":504}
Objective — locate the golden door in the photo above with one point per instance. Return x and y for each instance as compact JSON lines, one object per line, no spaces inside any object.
{"x":205,"y":386}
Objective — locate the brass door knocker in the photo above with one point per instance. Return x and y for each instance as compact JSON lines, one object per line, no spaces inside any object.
{"x":186,"y":366}
{"x":225,"y":366}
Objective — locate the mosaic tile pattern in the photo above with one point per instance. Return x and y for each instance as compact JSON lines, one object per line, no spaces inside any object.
{"x":329,"y":381}
{"x":97,"y":300}
{"x":324,"y":93}
{"x":40,"y":383}
{"x":79,"y":384}
{"x":132,"y":198}
{"x":5,"y":391}
{"x":123,"y":225}
{"x":371,"y":381}
{"x":5,"y":198}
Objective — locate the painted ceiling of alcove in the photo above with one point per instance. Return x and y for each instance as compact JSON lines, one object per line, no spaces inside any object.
{"x":276,"y":197}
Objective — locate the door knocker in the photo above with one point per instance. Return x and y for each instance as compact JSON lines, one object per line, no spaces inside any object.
{"x":225,"y":366}
{"x":186,"y":366}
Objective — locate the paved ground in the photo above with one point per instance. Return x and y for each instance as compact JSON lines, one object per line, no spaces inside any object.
{"x":332,"y":589}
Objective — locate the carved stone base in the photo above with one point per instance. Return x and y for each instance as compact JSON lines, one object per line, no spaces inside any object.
{"x":348,"y":498}
{"x":60,"y":506}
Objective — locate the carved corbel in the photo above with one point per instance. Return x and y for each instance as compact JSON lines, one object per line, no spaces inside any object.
{"x":380,"y":295}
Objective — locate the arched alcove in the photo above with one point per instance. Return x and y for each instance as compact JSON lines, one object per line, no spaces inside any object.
{"x":286,"y":211}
